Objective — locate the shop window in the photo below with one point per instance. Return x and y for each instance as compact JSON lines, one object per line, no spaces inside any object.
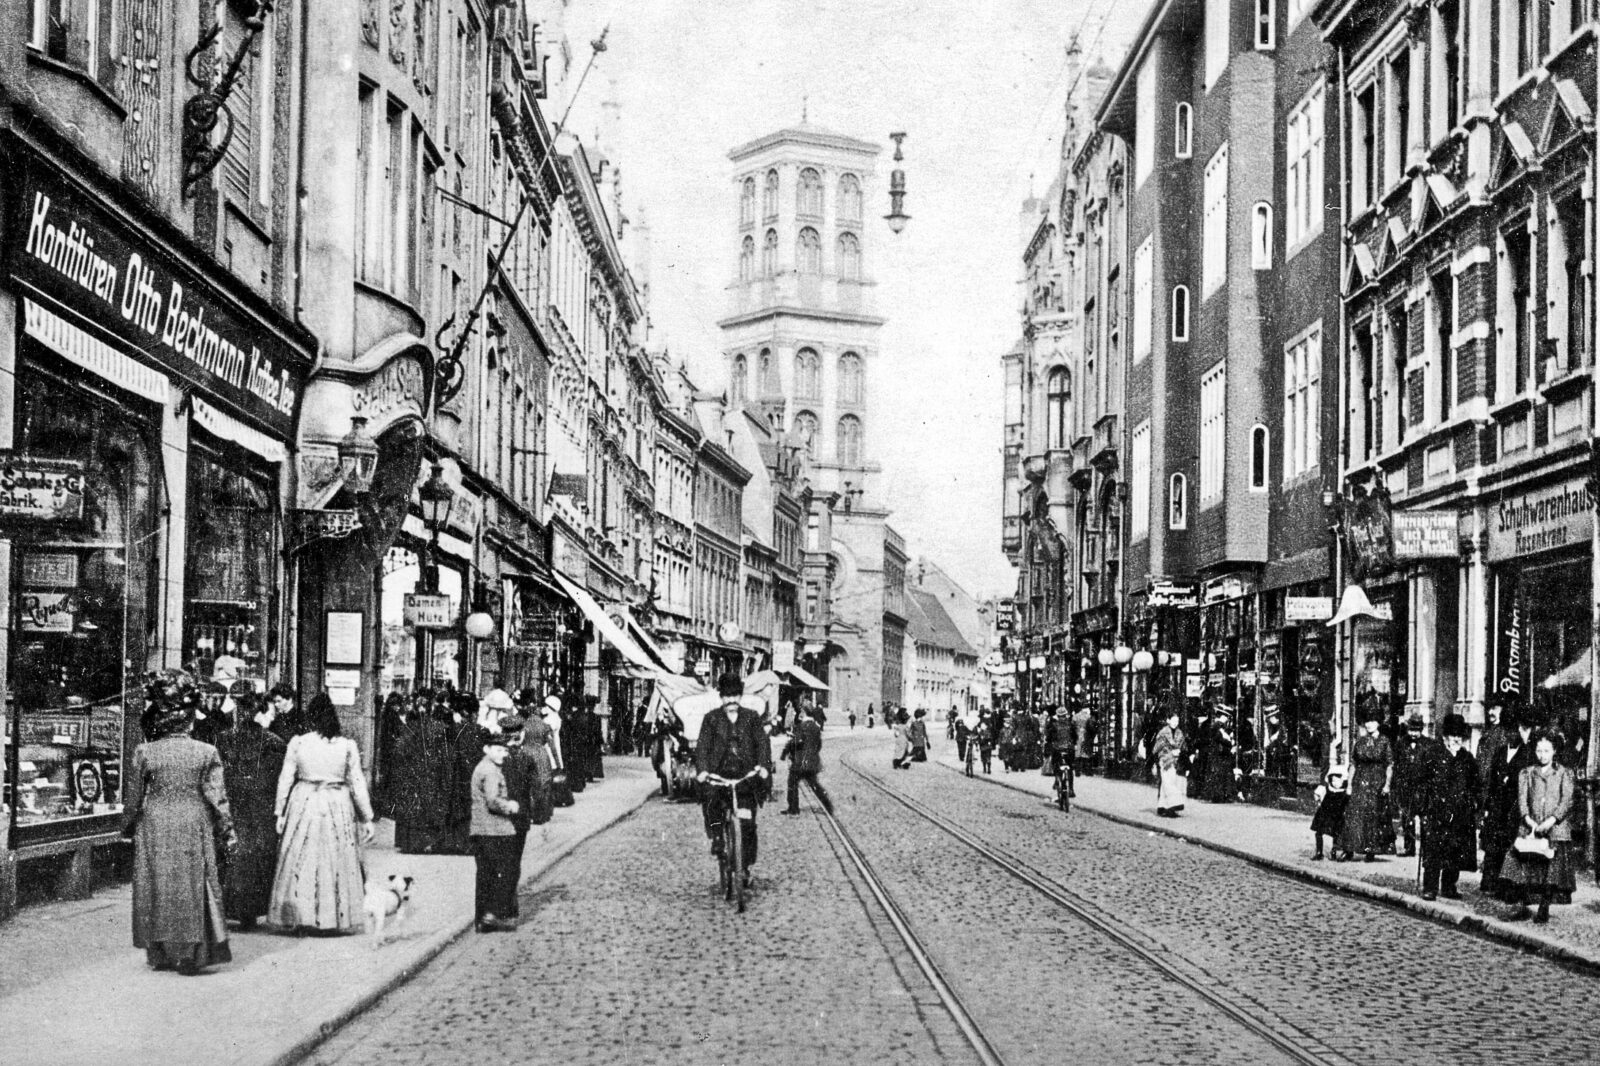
{"x":83,"y":582}
{"x":232,"y":551}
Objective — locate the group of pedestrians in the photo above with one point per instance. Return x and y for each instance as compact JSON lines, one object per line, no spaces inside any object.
{"x":248,"y":828}
{"x":910,"y":732}
{"x":1514,"y":796}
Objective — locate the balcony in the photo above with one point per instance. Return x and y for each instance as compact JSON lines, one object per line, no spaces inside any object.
{"x":1011,"y":533}
{"x":1105,"y":445}
{"x":1082,"y":475}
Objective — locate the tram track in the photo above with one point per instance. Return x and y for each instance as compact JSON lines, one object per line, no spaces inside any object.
{"x":1245,"y":1013}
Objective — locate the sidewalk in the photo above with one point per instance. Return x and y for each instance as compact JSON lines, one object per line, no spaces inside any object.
{"x":1281,"y":841}
{"x":74,"y":990}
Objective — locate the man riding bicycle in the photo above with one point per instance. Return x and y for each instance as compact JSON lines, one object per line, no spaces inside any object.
{"x":733,"y":744}
{"x":1061,"y":740}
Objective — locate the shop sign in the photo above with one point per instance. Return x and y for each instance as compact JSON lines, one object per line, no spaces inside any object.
{"x":539,"y":627}
{"x":1425,"y":535}
{"x":1194,"y":686}
{"x":41,"y":490}
{"x":1369,"y":532}
{"x":46,"y":612}
{"x":1094,"y":620}
{"x":1552,"y":516}
{"x":77,"y":254}
{"x":427,"y":610}
{"x":1307,"y":608}
{"x":1227,"y":588}
{"x":402,"y":383}
{"x":50,"y":570}
{"x":702,"y":667}
{"x":1172,"y":594}
{"x":311,"y":525}
{"x":1510,"y":641}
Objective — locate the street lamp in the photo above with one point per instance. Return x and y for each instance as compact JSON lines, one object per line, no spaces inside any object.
{"x":1143,"y":661}
{"x":437,"y":499}
{"x":897,"y":217}
{"x":358,"y":456}
{"x":1105,"y":657}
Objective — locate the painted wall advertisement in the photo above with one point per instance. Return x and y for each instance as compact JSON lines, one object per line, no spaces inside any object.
{"x":1510,"y":641}
{"x":1425,"y":535}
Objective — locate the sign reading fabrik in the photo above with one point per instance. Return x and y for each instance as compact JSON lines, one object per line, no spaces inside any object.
{"x":77,"y":254}
{"x":1553,"y":516}
{"x":49,"y":490}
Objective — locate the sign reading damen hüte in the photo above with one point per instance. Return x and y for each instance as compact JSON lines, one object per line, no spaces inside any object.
{"x":69,"y":249}
{"x":1535,"y":520}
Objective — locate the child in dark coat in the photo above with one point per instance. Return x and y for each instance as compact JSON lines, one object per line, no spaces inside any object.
{"x":1333,"y":795}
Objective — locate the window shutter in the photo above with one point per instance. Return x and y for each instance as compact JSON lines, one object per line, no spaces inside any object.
{"x":242,"y":106}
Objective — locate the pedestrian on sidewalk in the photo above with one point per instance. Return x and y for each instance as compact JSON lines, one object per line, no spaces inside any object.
{"x":252,"y":758}
{"x":869,"y":716}
{"x":1333,"y":798}
{"x":494,"y":839}
{"x":804,"y":752}
{"x":1367,"y":828}
{"x":1447,"y":797}
{"x":536,"y":739}
{"x":177,"y":811}
{"x":519,"y":772}
{"x":1544,"y":800}
{"x":1409,"y":750}
{"x":852,"y":717}
{"x":1500,"y":815}
{"x":324,"y":820}
{"x":1171,"y":785}
{"x":901,"y":731}
{"x":985,"y":740}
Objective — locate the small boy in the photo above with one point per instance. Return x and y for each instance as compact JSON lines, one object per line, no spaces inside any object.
{"x":494,"y":839}
{"x":1333,"y":796}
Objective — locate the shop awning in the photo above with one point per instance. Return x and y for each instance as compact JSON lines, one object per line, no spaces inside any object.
{"x":1577,"y":672}
{"x":805,"y":678}
{"x":608,"y":629}
{"x":643,"y":638}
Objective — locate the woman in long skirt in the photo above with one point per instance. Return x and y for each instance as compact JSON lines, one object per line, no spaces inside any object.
{"x":1367,"y":828}
{"x":1172,"y":787}
{"x":176,"y":812}
{"x":1544,"y":798}
{"x":322,"y":796}
{"x":252,"y":760}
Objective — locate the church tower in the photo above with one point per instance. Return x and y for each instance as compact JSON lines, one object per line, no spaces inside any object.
{"x":801,"y":336}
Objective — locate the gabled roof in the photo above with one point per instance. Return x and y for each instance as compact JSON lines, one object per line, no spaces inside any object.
{"x":930,"y":624}
{"x":804,"y":133}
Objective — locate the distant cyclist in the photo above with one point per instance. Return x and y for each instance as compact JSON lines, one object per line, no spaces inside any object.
{"x":1061,"y":739}
{"x":732,"y":744}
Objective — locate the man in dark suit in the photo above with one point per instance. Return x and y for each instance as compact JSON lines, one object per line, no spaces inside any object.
{"x":732,"y":744}
{"x":805,"y":759}
{"x":519,"y":773}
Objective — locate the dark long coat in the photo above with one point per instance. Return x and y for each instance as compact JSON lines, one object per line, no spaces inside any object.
{"x":252,"y":758}
{"x":1367,"y":826}
{"x":418,"y":784}
{"x":1447,"y":795}
{"x":1501,"y":818}
{"x":176,"y":811}
{"x":463,"y":751}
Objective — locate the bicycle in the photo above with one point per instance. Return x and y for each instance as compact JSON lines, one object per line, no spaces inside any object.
{"x":730,"y":859}
{"x":972,"y":753}
{"x":1064,"y":778}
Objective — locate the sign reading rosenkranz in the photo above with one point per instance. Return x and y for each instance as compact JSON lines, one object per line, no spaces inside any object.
{"x":41,"y":490}
{"x":74,"y":251}
{"x":1552,"y":516}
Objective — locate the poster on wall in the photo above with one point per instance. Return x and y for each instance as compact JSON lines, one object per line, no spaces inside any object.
{"x":40,"y":490}
{"x":46,"y":611}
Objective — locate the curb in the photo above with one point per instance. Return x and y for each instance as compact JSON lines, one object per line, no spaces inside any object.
{"x":1475,"y":923}
{"x":303,"y":1047}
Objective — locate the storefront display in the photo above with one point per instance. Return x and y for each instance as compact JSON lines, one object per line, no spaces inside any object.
{"x":410,"y":639}
{"x":229,"y":595}
{"x":81,"y":584}
{"x":1542,"y":656}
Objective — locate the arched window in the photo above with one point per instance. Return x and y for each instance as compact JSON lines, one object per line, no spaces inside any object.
{"x":769,"y":196}
{"x":1180,"y":312}
{"x":808,"y":194}
{"x":808,"y":252}
{"x":769,"y":373}
{"x":807,"y":375}
{"x":1058,"y":407}
{"x":806,"y":425}
{"x":851,"y":386}
{"x":739,"y":386}
{"x":747,"y":203}
{"x":747,"y":259}
{"x":769,"y":254}
{"x":1177,"y":502}
{"x":849,"y":198}
{"x":849,"y":442}
{"x":1183,"y":131}
{"x":849,"y":256}
{"x":1261,"y":236}
{"x":1258,"y":458}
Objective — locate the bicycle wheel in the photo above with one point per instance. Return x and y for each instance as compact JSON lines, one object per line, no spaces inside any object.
{"x":738,"y":858}
{"x":726,"y":860}
{"x":969,"y":762}
{"x":1063,"y":793}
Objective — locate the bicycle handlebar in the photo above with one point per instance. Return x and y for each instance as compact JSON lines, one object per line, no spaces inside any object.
{"x":717,"y":779}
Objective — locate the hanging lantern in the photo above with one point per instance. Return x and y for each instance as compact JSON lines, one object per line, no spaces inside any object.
{"x":1105,"y":657}
{"x":897,"y":217}
{"x":1122,"y":654}
{"x":480,"y":625}
{"x":1143,"y":661}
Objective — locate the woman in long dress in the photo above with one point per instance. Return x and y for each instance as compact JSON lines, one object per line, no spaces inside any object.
{"x":1367,"y":827}
{"x":322,"y":796}
{"x":252,"y":760}
{"x":1171,"y":786}
{"x":536,"y":740}
{"x":176,"y":811}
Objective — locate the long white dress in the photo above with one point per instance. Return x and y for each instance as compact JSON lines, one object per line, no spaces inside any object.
{"x":319,"y":883}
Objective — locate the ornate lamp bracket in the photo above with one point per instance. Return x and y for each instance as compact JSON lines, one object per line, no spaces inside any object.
{"x":207,"y":109}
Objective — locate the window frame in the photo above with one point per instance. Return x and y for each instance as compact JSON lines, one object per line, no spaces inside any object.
{"x":808,"y":251}
{"x":1181,"y":300}
{"x":1302,"y":403}
{"x":852,"y":369}
{"x":1260,"y":457}
{"x":1144,"y":299}
{"x":1178,"y":501}
{"x":1266,"y":25}
{"x":1213,"y":432}
{"x":808,"y":374}
{"x":1139,"y":469}
{"x":1183,"y":130}
{"x":1261,"y":235}
{"x":847,"y":261}
{"x":1305,"y":174}
{"x":1058,"y":409}
{"x":1214,"y":223}
{"x":1217,"y":42}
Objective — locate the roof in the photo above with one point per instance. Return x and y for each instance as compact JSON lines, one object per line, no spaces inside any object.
{"x":930,"y":624}
{"x":804,"y":133}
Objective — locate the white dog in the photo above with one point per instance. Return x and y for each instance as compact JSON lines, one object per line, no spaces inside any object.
{"x":386,"y":900}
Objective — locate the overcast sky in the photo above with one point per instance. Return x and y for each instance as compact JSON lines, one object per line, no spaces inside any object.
{"x":976,"y":84}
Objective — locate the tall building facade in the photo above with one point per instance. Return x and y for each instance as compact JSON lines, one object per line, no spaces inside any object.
{"x":799,"y":343}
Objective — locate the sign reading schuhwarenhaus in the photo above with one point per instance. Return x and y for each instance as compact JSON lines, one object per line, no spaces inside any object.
{"x":144,"y":460}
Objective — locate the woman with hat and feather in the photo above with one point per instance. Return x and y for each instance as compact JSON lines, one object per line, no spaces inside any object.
{"x":176,"y":812}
